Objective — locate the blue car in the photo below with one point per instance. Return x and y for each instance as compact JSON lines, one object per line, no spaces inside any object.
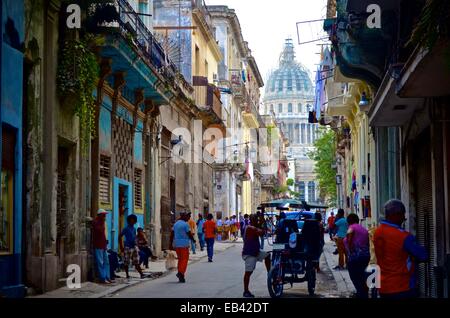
{"x":300,"y":217}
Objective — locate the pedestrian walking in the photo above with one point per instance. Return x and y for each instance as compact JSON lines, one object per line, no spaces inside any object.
{"x":128,"y":247}
{"x":193,"y":227}
{"x":358,"y":255}
{"x":397,"y":253}
{"x":219,"y":228}
{"x":144,"y":249}
{"x":233,"y":228}
{"x":100,"y":247}
{"x":226,"y":229}
{"x":252,"y":253}
{"x":200,"y":233}
{"x":341,"y":232}
{"x":210,"y":230}
{"x":180,"y":240}
{"x":331,"y":226}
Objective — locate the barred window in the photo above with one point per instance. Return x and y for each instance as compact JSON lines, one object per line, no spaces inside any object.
{"x":138,"y":188}
{"x":105,"y":177}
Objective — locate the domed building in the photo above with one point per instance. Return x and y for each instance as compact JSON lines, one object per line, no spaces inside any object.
{"x":289,"y":96}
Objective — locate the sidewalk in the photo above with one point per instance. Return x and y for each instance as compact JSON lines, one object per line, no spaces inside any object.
{"x":342,"y":278}
{"x":156,"y":270}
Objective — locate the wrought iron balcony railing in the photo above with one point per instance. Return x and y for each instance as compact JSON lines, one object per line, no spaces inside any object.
{"x":133,"y":29}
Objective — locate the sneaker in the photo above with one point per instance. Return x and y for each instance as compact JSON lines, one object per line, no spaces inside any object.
{"x":143,"y":276}
{"x":248,"y":295}
{"x":210,"y":260}
{"x":181,"y":278}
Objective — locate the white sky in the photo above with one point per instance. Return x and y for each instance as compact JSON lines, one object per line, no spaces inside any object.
{"x":266,"y":24}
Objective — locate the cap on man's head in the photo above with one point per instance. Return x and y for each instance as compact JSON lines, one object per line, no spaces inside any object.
{"x":102,"y":211}
{"x":394,"y":206}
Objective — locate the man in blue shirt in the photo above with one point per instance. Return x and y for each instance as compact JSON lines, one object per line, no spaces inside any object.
{"x":130,"y":251}
{"x":341,"y":232}
{"x":200,"y":234}
{"x":180,"y":240}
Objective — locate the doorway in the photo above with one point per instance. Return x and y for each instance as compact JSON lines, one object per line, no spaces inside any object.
{"x":122,"y":207}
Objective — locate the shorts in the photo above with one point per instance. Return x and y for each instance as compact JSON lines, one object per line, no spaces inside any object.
{"x":250,"y":261}
{"x":130,"y":254}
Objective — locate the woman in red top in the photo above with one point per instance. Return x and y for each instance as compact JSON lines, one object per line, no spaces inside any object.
{"x":210,"y":230}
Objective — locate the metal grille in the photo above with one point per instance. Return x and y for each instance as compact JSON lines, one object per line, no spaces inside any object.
{"x":424,"y":214}
{"x":138,"y":188}
{"x":105,"y":177}
{"x":123,"y":149}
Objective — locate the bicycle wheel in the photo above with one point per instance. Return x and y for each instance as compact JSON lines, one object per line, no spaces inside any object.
{"x":275,"y":281}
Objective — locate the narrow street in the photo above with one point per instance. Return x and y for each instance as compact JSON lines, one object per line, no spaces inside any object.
{"x":223,"y":279}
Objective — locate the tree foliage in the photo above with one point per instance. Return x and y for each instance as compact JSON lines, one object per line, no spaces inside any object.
{"x":324,"y":156}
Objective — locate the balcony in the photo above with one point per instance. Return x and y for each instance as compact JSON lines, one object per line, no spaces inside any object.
{"x":361,"y":51}
{"x":207,"y":99}
{"x":132,"y":47}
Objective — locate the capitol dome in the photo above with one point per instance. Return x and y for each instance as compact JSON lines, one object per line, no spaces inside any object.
{"x":290,"y":80}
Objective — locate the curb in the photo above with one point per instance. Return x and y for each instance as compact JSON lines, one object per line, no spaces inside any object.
{"x":340,"y":280}
{"x":116,"y":289}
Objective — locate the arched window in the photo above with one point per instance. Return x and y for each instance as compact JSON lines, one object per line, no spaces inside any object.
{"x":271,"y":108}
{"x":299,"y":108}
{"x":280,"y":108}
{"x":289,"y":108}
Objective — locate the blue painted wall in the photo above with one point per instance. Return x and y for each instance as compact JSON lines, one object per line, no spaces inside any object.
{"x":138,"y":143}
{"x":105,"y":127}
{"x":12,"y":29}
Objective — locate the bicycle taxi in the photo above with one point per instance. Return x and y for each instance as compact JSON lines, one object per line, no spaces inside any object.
{"x":291,"y":262}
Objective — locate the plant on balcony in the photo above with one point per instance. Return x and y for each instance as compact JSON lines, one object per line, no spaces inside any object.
{"x":77,"y":77}
{"x":434,"y":24}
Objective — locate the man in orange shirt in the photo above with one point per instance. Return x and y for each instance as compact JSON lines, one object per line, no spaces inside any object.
{"x":193,"y":227}
{"x":397,"y":253}
{"x":210,"y":230}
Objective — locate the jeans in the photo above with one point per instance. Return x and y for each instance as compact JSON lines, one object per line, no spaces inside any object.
{"x":201,"y":240}
{"x":357,"y":271}
{"x":144,"y":254}
{"x":193,"y":246}
{"x":210,"y":247}
{"x":102,"y":262}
